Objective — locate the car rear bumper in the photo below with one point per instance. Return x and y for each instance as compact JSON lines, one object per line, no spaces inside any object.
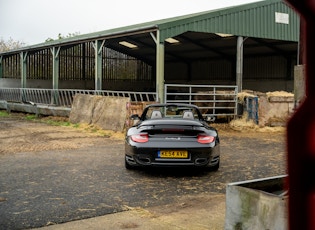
{"x":197,"y":157}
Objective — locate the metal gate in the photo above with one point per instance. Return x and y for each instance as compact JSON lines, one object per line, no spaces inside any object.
{"x":213,"y":100}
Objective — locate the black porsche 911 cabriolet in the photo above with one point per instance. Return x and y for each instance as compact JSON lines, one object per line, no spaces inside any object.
{"x":172,"y":135}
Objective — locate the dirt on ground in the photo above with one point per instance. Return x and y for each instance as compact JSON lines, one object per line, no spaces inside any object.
{"x":48,"y":133}
{"x":54,"y":133}
{"x":40,"y":134}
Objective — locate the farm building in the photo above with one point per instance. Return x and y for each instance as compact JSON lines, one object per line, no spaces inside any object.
{"x":253,"y":46}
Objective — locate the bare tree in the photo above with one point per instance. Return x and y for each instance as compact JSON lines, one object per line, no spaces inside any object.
{"x":60,"y":36}
{"x":10,"y":44}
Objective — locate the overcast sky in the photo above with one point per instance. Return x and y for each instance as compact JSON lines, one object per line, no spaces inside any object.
{"x":33,"y":21}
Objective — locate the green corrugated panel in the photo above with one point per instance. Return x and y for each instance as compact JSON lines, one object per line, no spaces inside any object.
{"x":252,"y":20}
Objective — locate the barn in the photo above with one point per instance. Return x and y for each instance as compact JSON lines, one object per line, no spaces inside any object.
{"x":252,"y":46}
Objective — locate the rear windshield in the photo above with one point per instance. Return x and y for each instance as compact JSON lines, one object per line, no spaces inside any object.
{"x":172,"y":112}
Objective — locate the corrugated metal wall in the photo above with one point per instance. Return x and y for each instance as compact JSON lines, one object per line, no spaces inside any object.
{"x":255,"y":68}
{"x":252,"y":20}
{"x":212,"y":70}
{"x":266,"y":68}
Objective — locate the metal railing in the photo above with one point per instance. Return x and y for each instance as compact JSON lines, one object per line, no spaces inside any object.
{"x":64,"y":97}
{"x":213,"y":100}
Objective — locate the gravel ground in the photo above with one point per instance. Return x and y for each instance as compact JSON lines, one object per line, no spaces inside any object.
{"x":51,"y":175}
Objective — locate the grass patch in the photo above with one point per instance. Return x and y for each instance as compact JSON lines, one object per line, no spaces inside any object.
{"x":30,"y":117}
{"x":59,"y":123}
{"x":4,"y":113}
{"x":64,"y":121}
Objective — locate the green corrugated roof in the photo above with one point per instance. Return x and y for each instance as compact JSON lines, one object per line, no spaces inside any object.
{"x":250,"y":20}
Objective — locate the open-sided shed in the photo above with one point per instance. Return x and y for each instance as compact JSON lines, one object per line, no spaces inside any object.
{"x":254,"y":46}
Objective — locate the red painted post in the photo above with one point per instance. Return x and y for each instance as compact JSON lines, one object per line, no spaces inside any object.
{"x":301,"y":133}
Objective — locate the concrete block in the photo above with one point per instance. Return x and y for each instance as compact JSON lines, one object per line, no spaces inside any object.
{"x":108,"y":113}
{"x":38,"y":109}
{"x":82,"y":108}
{"x":53,"y":111}
{"x":4,"y":105}
{"x":274,"y":110}
{"x":257,"y":204}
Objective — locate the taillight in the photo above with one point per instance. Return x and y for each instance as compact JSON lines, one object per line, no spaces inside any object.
{"x":205,"y":139}
{"x":140,"y":138}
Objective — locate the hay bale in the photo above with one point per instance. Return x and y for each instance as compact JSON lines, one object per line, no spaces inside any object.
{"x":108,"y":113}
{"x":243,"y":123}
{"x":279,"y":94}
{"x":242,"y":95}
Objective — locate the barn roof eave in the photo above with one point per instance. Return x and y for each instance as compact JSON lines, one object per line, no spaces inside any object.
{"x":100,"y":35}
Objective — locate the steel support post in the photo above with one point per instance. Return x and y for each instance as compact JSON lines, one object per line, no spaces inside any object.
{"x":23,"y":61}
{"x":55,"y":53}
{"x":159,"y":67}
{"x":239,"y":63}
{"x":98,"y":47}
{"x":1,"y":74}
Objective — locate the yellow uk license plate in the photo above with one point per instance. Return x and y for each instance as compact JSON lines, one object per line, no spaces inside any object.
{"x":173,"y":154}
